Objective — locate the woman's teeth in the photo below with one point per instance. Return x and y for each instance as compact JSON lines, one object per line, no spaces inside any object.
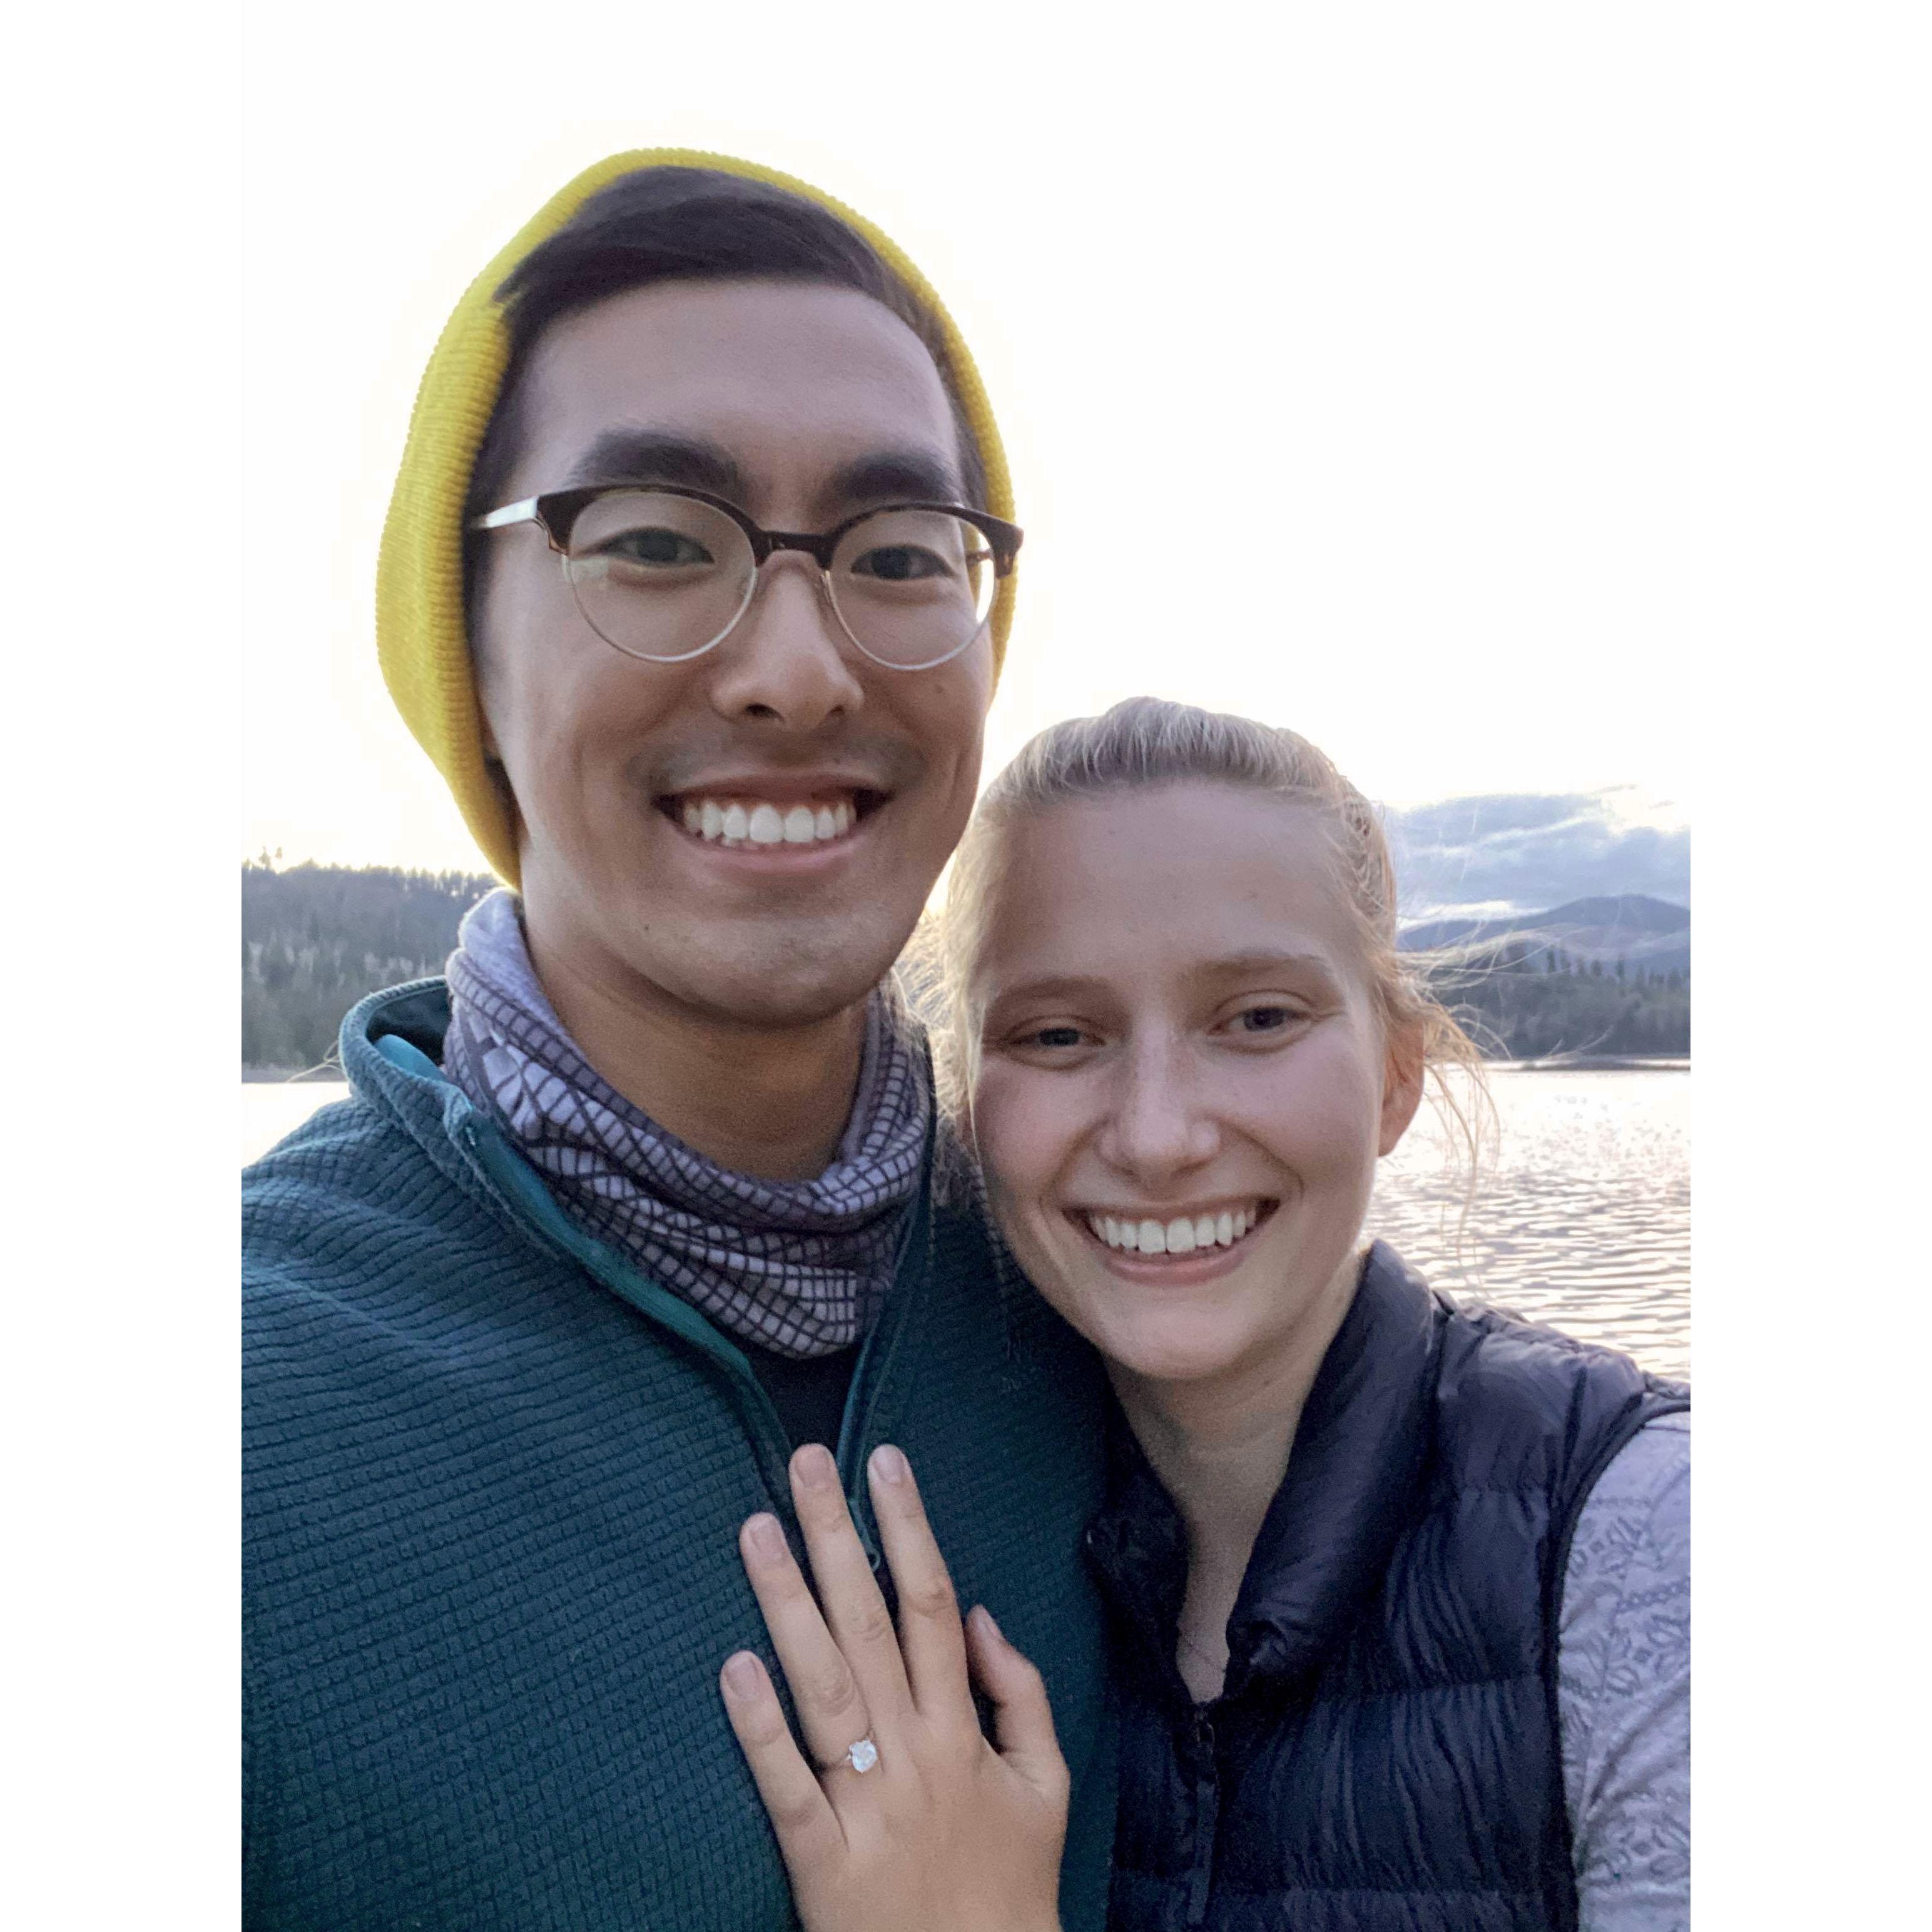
{"x":1181,"y":1236}
{"x":740,"y":821}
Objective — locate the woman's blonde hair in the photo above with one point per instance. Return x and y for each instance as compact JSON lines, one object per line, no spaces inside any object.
{"x":1145,"y":741}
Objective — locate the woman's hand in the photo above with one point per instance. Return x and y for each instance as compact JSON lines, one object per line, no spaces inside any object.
{"x":943,"y":1832}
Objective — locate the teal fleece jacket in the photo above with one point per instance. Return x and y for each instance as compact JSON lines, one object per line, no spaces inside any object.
{"x":494,"y":1480}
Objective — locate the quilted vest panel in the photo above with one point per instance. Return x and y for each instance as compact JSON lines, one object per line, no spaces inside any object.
{"x":1385,"y":1756}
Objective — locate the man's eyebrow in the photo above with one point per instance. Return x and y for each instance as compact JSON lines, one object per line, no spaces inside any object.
{"x":887,"y":475}
{"x":635,"y":455}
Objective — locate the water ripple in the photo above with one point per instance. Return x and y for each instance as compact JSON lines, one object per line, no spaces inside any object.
{"x":1583,"y":1222}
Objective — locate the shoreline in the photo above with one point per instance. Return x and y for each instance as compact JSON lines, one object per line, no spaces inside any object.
{"x":330,"y":1075}
{"x":1601,"y":1063}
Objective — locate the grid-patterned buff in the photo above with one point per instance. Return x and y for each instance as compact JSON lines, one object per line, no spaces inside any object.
{"x":798,"y":1267}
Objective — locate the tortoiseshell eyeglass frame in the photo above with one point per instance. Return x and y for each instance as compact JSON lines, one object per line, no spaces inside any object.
{"x":555,"y":513}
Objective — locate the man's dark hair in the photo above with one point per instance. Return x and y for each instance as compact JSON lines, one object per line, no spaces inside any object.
{"x":690,"y":225}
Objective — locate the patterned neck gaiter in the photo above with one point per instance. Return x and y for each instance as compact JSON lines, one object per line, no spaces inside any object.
{"x":797,"y":1266}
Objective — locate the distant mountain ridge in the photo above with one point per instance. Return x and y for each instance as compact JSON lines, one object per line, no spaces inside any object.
{"x":1650,"y":935}
{"x":1520,"y":849}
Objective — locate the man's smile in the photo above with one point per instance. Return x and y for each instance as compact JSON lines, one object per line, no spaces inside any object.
{"x":774,"y":814}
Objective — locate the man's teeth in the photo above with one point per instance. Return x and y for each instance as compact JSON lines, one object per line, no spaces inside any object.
{"x":1181,"y":1237}
{"x":754,"y":822}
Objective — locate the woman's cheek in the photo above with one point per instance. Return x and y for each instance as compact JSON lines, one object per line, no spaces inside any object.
{"x":1018,"y":1125}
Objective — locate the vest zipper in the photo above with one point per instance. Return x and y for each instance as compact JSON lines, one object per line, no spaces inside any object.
{"x":525,"y":1193}
{"x":853,"y":1423}
{"x":1207,"y":1817}
{"x":851,"y":1468}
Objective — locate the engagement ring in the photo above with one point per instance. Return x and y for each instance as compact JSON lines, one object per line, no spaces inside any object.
{"x":863,"y":1755}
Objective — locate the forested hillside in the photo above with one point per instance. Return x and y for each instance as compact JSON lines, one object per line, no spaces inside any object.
{"x":1521,"y":1003}
{"x":315,"y":938}
{"x":1605,"y":976}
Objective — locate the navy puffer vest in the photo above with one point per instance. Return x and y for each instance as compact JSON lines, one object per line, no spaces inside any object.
{"x":1385,"y":1757}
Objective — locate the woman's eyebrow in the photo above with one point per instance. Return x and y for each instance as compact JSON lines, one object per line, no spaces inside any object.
{"x":1232,"y":966}
{"x":1062,"y":986}
{"x":1241,"y":965}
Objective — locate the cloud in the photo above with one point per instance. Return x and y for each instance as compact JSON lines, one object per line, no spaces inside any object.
{"x":1519,"y":852}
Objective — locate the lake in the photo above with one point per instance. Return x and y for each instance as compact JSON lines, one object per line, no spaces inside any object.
{"x":1582,"y":1219}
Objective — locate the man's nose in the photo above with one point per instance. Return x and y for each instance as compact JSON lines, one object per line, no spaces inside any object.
{"x":1159,"y":1126}
{"x":787,"y":659}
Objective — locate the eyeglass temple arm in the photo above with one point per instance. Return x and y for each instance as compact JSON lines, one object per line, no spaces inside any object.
{"x":525,"y":512}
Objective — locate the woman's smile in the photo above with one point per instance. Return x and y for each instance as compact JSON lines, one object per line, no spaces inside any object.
{"x":1158,"y":1246}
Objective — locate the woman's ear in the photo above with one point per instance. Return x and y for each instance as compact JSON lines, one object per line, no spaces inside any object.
{"x":1403,"y":1072}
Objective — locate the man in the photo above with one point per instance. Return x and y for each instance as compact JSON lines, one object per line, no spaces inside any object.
{"x":695,"y":585}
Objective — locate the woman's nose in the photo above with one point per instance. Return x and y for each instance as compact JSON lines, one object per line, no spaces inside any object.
{"x":1159,"y":1126}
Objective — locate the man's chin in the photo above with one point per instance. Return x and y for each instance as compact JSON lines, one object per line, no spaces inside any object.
{"x":767,"y":1014}
{"x":786,"y":992}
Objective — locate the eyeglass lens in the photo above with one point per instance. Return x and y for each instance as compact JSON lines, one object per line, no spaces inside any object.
{"x":665,"y":577}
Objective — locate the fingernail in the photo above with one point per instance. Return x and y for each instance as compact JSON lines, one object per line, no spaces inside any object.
{"x":741,"y":1674}
{"x":983,"y":1617}
{"x":889,"y":1464}
{"x":814,"y":1467}
{"x":766,"y":1538}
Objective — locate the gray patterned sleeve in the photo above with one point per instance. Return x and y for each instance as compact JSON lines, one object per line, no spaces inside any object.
{"x":1624,"y":1687}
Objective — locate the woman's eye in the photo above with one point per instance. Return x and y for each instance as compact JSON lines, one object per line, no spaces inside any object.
{"x":658,"y":548}
{"x":1255,"y":1021}
{"x":899,"y":563}
{"x":1050,"y":1038}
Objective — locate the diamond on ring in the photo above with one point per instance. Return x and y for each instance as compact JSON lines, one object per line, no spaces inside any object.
{"x":863,"y":1755}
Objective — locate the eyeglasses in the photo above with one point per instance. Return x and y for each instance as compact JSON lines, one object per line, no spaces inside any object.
{"x":663,"y":573}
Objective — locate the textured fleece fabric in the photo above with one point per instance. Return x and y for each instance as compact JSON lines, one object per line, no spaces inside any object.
{"x":494,"y":1480}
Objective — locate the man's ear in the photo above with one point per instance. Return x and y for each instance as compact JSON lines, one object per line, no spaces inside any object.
{"x":492,"y":764}
{"x":1403,"y":1072}
{"x":491,"y":755}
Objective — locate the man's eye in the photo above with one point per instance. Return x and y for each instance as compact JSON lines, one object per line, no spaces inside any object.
{"x":660,"y":549}
{"x":899,"y":563}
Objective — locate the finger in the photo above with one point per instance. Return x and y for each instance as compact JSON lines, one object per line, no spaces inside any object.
{"x":808,"y":1829}
{"x":931,"y":1638}
{"x":1022,"y":1718}
{"x":832,"y":1710}
{"x":854,"y":1608}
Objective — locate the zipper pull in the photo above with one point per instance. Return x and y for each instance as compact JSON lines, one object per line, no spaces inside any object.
{"x":864,"y":1531}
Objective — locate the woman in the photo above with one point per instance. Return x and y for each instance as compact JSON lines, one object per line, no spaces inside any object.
{"x":1400,"y":1590}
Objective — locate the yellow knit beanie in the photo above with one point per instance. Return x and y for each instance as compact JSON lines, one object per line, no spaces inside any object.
{"x":420,"y":635}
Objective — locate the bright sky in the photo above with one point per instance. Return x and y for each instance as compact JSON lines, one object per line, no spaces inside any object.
{"x":1375,"y":313}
